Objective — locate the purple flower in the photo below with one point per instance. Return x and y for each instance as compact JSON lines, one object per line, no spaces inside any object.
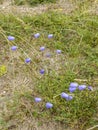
{"x":42,"y":71}
{"x":37,"y":99}
{"x":37,"y":35}
{"x":42,"y":48}
{"x":81,"y":87}
{"x":69,"y":98}
{"x":50,"y":36}
{"x":48,"y":55}
{"x":49,"y":105}
{"x":11,"y":38}
{"x":58,"y":51}
{"x":73,"y":85}
{"x":64,"y":95}
{"x":72,"y":89}
{"x":27,"y":60}
{"x":14,"y":48}
{"x":90,"y":88}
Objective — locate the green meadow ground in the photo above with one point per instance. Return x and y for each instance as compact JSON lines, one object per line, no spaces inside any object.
{"x":76,"y":34}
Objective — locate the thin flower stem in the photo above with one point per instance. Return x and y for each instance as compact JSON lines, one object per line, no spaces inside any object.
{"x":96,"y":80}
{"x":93,"y":127}
{"x":56,"y":96}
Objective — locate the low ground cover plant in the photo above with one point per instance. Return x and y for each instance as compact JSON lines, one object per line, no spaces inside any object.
{"x":51,"y":62}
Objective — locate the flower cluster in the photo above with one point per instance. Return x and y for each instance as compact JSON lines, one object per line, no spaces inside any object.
{"x":42,"y":48}
{"x":68,"y":97}
{"x":37,"y":35}
{"x":48,"y":104}
{"x":72,"y":87}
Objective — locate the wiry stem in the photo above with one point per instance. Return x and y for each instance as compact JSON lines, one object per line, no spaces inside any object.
{"x":93,"y":127}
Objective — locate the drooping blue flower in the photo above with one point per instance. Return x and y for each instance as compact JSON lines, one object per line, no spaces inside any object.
{"x":64,"y":95}
{"x":48,"y":55}
{"x":50,"y":36}
{"x":42,"y":71}
{"x":72,"y":89}
{"x":14,"y":48}
{"x":90,"y":88}
{"x":49,"y":105}
{"x":81,"y":87}
{"x":69,"y":98}
{"x":73,"y":86}
{"x":11,"y":38}
{"x":27,"y":60}
{"x":58,"y":51}
{"x":42,"y":48}
{"x":37,"y":99}
{"x":37,"y":35}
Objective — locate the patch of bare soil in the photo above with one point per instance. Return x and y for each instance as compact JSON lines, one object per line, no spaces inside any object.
{"x":94,"y":8}
{"x":30,"y":124}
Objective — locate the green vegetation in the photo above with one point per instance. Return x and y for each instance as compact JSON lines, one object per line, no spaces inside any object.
{"x":3,"y":70}
{"x":77,"y":36}
{"x":33,"y":2}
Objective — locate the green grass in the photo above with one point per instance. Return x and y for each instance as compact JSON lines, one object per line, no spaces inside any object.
{"x":76,"y":35}
{"x":2,"y":70}
{"x":33,"y":2}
